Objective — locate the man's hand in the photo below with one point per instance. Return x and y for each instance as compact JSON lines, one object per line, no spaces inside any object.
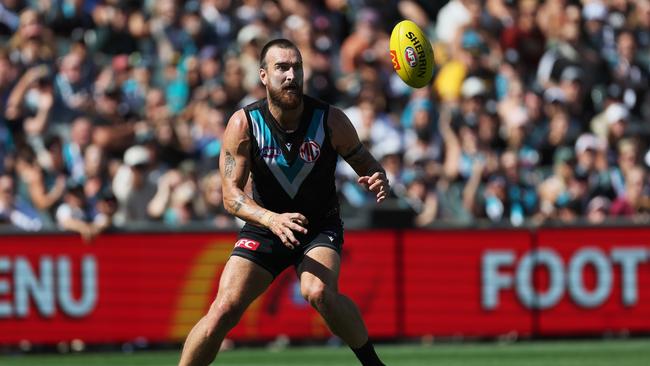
{"x":376,"y":183}
{"x":283,"y":225}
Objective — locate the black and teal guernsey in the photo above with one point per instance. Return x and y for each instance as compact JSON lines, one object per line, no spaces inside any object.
{"x":294,"y":172}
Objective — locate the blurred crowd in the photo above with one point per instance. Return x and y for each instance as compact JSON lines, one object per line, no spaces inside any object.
{"x":113,"y":110}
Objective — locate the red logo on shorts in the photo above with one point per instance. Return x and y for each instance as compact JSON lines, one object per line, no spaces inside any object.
{"x":247,"y":244}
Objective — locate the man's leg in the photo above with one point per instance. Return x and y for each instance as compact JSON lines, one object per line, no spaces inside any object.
{"x":319,"y":274}
{"x":242,"y":281}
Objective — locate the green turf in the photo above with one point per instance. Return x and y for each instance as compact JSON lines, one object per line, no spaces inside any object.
{"x":556,"y":353}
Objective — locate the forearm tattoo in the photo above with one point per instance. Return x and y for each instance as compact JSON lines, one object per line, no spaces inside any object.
{"x":363,"y":161}
{"x":353,"y":151}
{"x":238,"y":203}
{"x":229,"y":165}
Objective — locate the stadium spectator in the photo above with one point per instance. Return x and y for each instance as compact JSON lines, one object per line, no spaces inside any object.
{"x":37,"y":187}
{"x":209,"y":207}
{"x":32,"y":43}
{"x":30,"y":102}
{"x":635,"y":199}
{"x":132,"y":186}
{"x":74,"y":215}
{"x":13,"y":210}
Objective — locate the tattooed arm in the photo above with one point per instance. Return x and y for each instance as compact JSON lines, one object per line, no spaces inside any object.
{"x":234,"y":165}
{"x":346,"y":143}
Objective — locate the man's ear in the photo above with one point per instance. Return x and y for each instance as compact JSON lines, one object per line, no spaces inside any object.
{"x":263,"y":76}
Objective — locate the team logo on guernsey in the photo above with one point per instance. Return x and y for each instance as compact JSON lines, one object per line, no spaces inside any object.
{"x":310,"y":151}
{"x":247,"y":244}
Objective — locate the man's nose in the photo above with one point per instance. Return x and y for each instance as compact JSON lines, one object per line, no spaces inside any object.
{"x":290,"y":73}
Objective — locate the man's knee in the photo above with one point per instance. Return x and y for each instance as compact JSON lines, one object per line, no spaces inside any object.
{"x":319,"y":295}
{"x":223,"y":316}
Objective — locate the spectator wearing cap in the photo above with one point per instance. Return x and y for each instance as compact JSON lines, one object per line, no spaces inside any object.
{"x":598,"y":210}
{"x":132,"y":188}
{"x":250,"y":39}
{"x":617,"y":116}
{"x":598,"y":33}
{"x":591,"y":163}
{"x":14,"y":211}
{"x":613,"y":112}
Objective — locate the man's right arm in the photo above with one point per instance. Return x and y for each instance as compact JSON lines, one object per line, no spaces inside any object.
{"x":234,"y":165}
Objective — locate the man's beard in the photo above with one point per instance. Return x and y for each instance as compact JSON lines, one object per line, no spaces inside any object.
{"x":287,"y":97}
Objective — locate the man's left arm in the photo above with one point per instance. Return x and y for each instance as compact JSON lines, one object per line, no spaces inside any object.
{"x":345,"y":141}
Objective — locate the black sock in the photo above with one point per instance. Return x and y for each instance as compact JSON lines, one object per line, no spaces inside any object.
{"x":367,"y":355}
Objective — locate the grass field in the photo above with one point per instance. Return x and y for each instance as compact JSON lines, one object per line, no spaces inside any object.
{"x":539,"y":353}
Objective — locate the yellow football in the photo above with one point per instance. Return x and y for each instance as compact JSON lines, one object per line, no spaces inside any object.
{"x":411,"y":53}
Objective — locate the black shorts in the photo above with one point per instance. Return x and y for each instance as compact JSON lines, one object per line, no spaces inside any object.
{"x":266,"y":249}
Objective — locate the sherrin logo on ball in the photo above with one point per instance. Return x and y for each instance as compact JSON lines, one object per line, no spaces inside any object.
{"x":411,"y":54}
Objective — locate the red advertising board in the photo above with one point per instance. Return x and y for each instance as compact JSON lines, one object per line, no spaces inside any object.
{"x":443,"y":286}
{"x":485,"y":283}
{"x":607,"y":281}
{"x":566,"y":281}
{"x":156,"y":286}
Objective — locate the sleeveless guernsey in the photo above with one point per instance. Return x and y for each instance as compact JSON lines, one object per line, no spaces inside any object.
{"x":293,"y":172}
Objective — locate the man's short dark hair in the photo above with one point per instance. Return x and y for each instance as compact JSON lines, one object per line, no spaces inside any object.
{"x":281,"y":43}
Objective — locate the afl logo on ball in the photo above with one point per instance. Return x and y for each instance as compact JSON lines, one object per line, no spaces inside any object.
{"x":309,"y":151}
{"x":410,"y":56}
